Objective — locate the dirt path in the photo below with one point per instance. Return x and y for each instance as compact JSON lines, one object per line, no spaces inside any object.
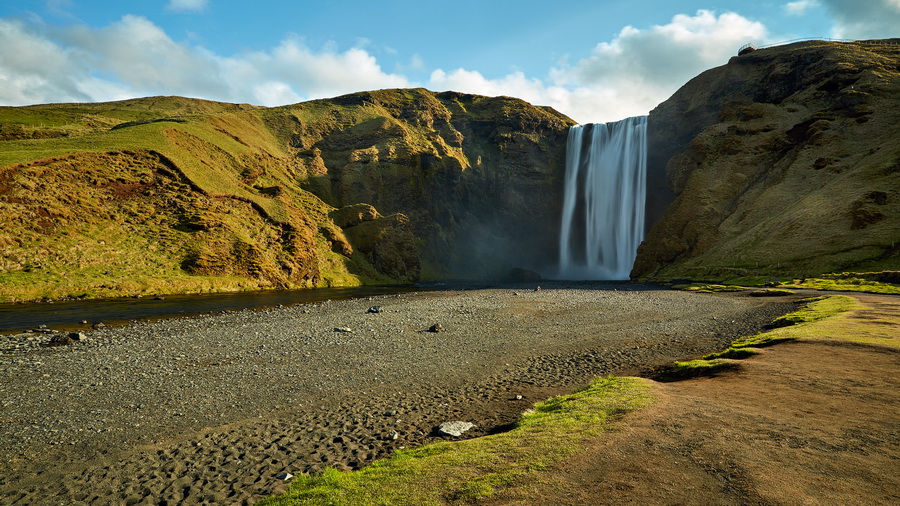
{"x":809,"y":422}
{"x":210,"y":410}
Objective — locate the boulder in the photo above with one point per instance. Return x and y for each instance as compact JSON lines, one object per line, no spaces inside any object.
{"x":454,"y":428}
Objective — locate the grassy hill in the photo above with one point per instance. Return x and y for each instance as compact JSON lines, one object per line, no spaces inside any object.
{"x":785,"y":163}
{"x":169,"y":194}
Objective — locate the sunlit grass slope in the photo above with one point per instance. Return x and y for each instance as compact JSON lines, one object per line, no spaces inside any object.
{"x":169,"y":194}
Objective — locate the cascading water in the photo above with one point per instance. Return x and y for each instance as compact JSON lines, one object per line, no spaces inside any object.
{"x":603,"y":207}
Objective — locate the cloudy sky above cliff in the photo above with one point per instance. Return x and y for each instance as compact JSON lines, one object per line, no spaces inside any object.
{"x":595,"y":60}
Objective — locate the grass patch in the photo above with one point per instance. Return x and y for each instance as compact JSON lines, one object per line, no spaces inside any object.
{"x":790,"y":327}
{"x":474,"y":469}
{"x":708,"y":288}
{"x":771,"y":292}
{"x":815,"y":309}
{"x":694,"y":369}
{"x":732,"y":353}
{"x":871,"y":282}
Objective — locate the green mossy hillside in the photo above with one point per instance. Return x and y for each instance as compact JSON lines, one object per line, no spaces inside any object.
{"x":783,"y":163}
{"x":169,"y":194}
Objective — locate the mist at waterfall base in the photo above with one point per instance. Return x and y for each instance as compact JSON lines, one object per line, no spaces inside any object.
{"x":604,"y":196}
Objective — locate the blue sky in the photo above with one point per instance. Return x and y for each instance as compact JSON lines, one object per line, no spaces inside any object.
{"x":599,"y":60}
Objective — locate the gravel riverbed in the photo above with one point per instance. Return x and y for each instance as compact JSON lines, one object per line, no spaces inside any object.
{"x":212,"y":409}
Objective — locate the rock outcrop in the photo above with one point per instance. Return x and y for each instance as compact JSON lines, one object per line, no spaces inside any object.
{"x":784,"y":162}
{"x":479,"y":178}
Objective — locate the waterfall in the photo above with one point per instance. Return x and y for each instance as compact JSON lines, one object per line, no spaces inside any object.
{"x":603,"y":206}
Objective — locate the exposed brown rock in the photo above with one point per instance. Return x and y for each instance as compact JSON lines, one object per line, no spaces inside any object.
{"x":480,"y":179}
{"x":354,"y":214}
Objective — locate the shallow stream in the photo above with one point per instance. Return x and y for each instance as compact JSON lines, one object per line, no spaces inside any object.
{"x":69,"y":315}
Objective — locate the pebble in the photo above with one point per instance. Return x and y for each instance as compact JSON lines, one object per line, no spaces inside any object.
{"x":221,"y":371}
{"x":455,"y":428}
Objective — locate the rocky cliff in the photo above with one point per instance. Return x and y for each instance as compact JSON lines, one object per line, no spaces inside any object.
{"x":168,"y":194}
{"x":784,"y":162}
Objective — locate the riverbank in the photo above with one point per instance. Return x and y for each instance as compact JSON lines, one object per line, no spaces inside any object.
{"x":812,"y":421}
{"x":213,"y":409}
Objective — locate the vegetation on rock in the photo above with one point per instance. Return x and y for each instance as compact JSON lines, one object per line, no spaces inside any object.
{"x":784,"y":163}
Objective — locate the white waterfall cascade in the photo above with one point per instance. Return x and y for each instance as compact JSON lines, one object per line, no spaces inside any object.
{"x":603,"y":207}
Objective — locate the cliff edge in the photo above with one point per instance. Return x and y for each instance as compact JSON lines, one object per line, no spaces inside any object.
{"x":170,"y":194}
{"x":784,"y":162}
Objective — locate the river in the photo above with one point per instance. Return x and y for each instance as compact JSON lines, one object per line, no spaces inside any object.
{"x":69,"y":315}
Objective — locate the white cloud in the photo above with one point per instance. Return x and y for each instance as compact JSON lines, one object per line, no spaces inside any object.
{"x":801,"y":7}
{"x":625,"y":77}
{"x":34,"y":69}
{"x":187,"y":5}
{"x":876,"y":19}
{"x":141,"y":56}
{"x":134,"y":57}
{"x":274,"y":93}
{"x":468,"y":81}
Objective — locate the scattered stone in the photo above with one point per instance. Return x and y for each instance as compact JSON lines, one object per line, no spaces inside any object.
{"x":538,"y":289}
{"x":77,"y":336}
{"x":343,"y":329}
{"x":99,"y":325}
{"x":518,"y":397}
{"x":60,"y":340}
{"x":284,"y":476}
{"x":437,"y":327}
{"x":394,"y":436}
{"x":84,"y":322}
{"x":390,"y":412}
{"x":455,"y":428}
{"x":374,"y":309}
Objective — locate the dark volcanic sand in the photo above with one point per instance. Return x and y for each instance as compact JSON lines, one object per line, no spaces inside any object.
{"x":211,"y":409}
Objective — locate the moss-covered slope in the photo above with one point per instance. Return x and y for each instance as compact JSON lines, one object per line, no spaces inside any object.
{"x":168,"y":194}
{"x":785,"y":162}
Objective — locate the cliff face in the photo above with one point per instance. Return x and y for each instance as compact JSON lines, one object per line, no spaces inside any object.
{"x":167,"y":194}
{"x":479,"y":178}
{"x":784,"y":162}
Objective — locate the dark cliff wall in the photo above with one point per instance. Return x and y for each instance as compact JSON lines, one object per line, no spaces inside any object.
{"x":784,"y":162}
{"x":479,"y":178}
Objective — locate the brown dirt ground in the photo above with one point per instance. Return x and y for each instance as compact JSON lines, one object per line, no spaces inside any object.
{"x":805,"y":422}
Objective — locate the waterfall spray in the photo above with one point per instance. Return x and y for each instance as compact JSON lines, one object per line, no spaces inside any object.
{"x":603,"y":207}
